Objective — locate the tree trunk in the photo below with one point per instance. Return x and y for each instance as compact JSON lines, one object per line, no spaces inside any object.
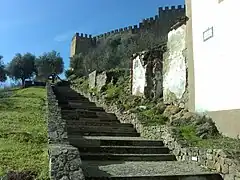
{"x":22,"y":79}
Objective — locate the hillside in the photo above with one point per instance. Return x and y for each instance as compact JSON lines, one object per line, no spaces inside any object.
{"x":23,"y":132}
{"x":191,"y":129}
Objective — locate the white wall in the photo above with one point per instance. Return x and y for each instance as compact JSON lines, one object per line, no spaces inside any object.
{"x":138,"y":81}
{"x":174,"y":68}
{"x":216,"y":61}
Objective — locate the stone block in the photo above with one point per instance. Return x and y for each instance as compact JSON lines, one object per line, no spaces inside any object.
{"x":175,"y":68}
{"x":65,"y":162}
{"x":92,"y":79}
{"x":101,"y":80}
{"x":147,"y":73}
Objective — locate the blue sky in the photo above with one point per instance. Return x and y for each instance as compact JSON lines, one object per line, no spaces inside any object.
{"x":39,"y":26}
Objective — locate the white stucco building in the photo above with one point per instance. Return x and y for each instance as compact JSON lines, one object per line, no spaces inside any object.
{"x":214,"y":68}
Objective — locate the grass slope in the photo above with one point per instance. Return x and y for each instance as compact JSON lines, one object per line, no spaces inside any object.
{"x":23,"y":131}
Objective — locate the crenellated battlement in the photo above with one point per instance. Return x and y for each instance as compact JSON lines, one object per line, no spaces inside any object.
{"x":82,"y":36}
{"x":151,"y":21}
{"x":160,"y":24}
{"x":170,"y":8}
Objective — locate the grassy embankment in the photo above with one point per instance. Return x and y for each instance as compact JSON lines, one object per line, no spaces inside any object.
{"x":23,"y":131}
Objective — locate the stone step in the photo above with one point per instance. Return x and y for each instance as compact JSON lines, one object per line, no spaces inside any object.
{"x":75,"y":97}
{"x":73,"y":114}
{"x":76,"y":114}
{"x":145,"y":170}
{"x":85,"y":107}
{"x":99,"y":124}
{"x":87,"y":141}
{"x":124,"y":134}
{"x":127,"y":157}
{"x":101,"y":129}
{"x":67,"y":92}
{"x":125,"y":149}
{"x":90,"y":120}
{"x":163,"y":177}
{"x":65,"y":89}
{"x":72,"y":96}
{"x":61,"y":99}
{"x":78,"y":103}
{"x":83,"y":102}
{"x":130,"y":142}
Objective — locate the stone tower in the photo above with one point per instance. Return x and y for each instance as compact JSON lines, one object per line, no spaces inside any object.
{"x":81,"y":44}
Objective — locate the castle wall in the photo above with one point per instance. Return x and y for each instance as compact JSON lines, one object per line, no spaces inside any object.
{"x":168,"y":17}
{"x":212,"y":62}
{"x":81,"y":43}
{"x":159,"y":25}
{"x":84,"y":43}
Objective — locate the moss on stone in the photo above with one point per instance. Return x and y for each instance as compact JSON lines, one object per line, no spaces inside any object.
{"x":188,"y":133}
{"x":82,"y":84}
{"x":93,"y":91}
{"x":112,"y":92}
{"x":150,"y":117}
{"x":170,"y":96}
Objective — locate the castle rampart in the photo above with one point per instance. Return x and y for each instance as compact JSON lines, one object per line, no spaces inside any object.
{"x":159,"y":24}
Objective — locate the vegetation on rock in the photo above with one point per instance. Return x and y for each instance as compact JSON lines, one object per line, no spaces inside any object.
{"x":190,"y":128}
{"x":113,"y":52}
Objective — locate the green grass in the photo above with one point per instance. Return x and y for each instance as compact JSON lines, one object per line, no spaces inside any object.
{"x":112,"y":92}
{"x":23,"y":132}
{"x":188,"y":133}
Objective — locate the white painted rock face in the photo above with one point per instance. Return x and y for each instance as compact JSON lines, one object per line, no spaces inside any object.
{"x":175,"y":68}
{"x":138,"y":82}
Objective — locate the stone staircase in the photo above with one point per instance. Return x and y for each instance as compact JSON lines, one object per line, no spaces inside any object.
{"x":113,"y":150}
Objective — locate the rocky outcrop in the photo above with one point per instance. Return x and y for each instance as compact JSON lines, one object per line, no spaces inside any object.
{"x":146,"y":73}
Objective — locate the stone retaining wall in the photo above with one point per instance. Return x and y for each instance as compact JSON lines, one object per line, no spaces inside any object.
{"x":64,"y":159}
{"x":214,"y":159}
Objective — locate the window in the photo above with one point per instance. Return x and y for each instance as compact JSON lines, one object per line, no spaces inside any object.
{"x":207,"y":34}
